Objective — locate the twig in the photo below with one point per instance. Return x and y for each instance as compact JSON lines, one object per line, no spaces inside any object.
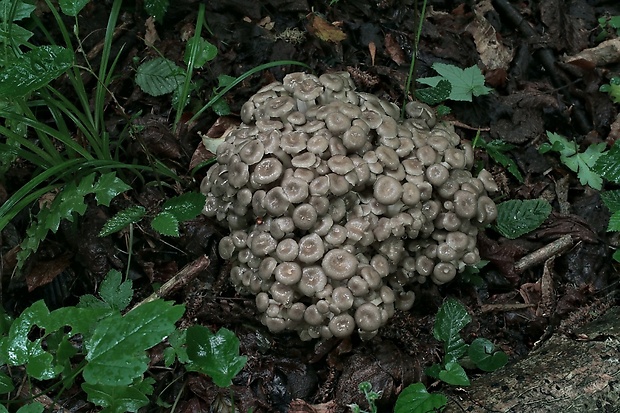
{"x":187,"y":273}
{"x":541,"y":255}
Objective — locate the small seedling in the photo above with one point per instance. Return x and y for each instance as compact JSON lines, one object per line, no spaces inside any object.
{"x":579,"y":162}
{"x":608,"y":25}
{"x":497,"y":150}
{"x":612,"y":88}
{"x":451,"y":318}
{"x":174,"y":211}
{"x":370,"y":395}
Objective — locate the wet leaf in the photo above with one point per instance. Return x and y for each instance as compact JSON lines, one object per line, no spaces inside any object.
{"x":186,"y":206}
{"x":108,"y":186}
{"x":166,"y":224}
{"x":214,"y":354}
{"x":205,"y":51}
{"x":115,"y":292}
{"x":159,"y":76}
{"x":483,"y":353}
{"x":122,"y":219}
{"x":33,"y":70}
{"x":518,"y":217}
{"x":116,"y":350}
{"x":35,"y":407}
{"x":22,"y":10}
{"x":324,"y":30}
{"x":454,"y":374}
{"x":156,"y":8}
{"x":451,"y":318}
{"x":117,"y":399}
{"x":72,"y":7}
{"x":434,"y":95}
{"x":608,"y":164}
{"x":416,"y":399}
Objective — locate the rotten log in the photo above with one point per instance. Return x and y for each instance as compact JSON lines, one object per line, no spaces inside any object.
{"x":572,"y":373}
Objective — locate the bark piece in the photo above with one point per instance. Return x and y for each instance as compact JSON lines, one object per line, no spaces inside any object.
{"x":580,"y":373}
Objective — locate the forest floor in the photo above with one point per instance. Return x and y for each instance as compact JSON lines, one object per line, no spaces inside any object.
{"x":373,"y":41}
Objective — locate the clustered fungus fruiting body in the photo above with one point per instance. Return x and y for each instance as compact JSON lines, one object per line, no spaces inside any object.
{"x":336,"y":208}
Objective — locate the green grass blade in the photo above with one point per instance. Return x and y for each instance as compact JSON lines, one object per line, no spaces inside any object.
{"x":241,"y":78}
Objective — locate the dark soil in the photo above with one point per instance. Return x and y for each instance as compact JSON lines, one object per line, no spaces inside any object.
{"x":521,"y":48}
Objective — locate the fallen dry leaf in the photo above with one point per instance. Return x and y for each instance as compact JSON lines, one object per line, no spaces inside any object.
{"x":324,"y":30}
{"x":493,"y":53}
{"x":605,"y":53}
{"x":394,"y":50}
{"x":150,"y":36}
{"x":372,"y":49}
{"x":44,"y":272}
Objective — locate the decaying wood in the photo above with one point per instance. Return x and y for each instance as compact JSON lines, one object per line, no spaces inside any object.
{"x":580,"y":373}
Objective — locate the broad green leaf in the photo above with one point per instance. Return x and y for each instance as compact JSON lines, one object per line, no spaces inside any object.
{"x":616,"y":255}
{"x":23,"y":10}
{"x":34,"y":407}
{"x":416,"y":399}
{"x":156,"y":8}
{"x":41,"y":366}
{"x":72,"y":7}
{"x":186,"y":206}
{"x":608,"y":164}
{"x":454,"y":374}
{"x":116,"y":350}
{"x":108,"y":186}
{"x":483,"y":353}
{"x":220,"y":107}
{"x":33,"y":70}
{"x":159,"y":76}
{"x":6,"y":384}
{"x":518,"y":217}
{"x":451,"y":318}
{"x":205,"y":51}
{"x":166,"y":224}
{"x":434,"y":95}
{"x":224,"y":81}
{"x":115,"y":292}
{"x":214,"y":354}
{"x":122,"y":219}
{"x":116,"y":399}
{"x":465,"y":83}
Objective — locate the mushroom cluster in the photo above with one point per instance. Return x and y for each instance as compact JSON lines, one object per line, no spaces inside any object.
{"x":336,"y":208}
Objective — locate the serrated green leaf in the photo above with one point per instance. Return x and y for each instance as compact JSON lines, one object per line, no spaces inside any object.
{"x":156,"y":8}
{"x":614,"y":222}
{"x":23,"y":10}
{"x":15,"y":35}
{"x":465,"y":83}
{"x":166,"y":224}
{"x":434,"y":95}
{"x":72,"y":7}
{"x":518,"y":217}
{"x":122,"y":219}
{"x":205,"y":51}
{"x":483,"y":353}
{"x":116,"y":350}
{"x":115,"y":292}
{"x":185,"y":206}
{"x":454,"y":374}
{"x":608,"y":164}
{"x":214,"y":354}
{"x":107,"y":187}
{"x":33,"y":70}
{"x":81,"y":320}
{"x":616,"y":255}
{"x":224,"y":80}
{"x":451,"y":318}
{"x":416,"y":399}
{"x":611,"y":199}
{"x":220,"y":107}
{"x":159,"y":76}
{"x":6,"y":384}
{"x":115,"y":399}
{"x":177,"y":348}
